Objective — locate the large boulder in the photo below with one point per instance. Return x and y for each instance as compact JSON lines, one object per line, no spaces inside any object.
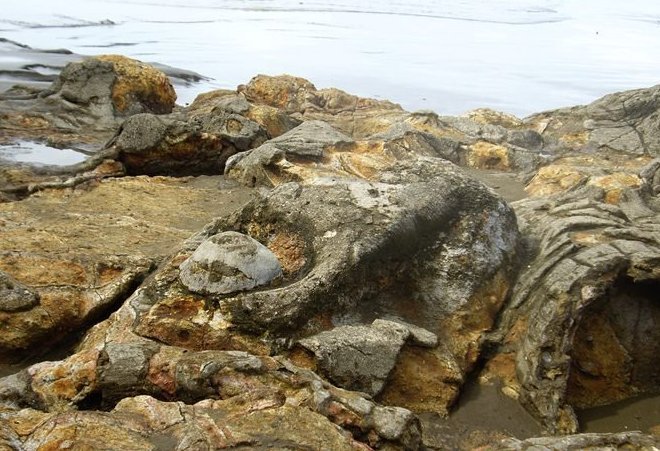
{"x":584,"y":313}
{"x":386,"y":191}
{"x":87,"y":101}
{"x":125,"y":85}
{"x":175,"y":144}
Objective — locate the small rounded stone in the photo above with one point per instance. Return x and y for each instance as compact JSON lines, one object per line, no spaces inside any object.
{"x":229,"y":262}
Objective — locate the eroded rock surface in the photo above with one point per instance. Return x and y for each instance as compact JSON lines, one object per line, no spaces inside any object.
{"x":71,"y":256}
{"x":229,"y":262}
{"x":364,"y":283}
{"x":586,"y":304}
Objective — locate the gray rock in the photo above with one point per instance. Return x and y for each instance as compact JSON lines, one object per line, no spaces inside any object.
{"x":393,"y":423}
{"x":229,"y":262}
{"x":592,"y":268}
{"x":309,"y":139}
{"x":622,"y":440}
{"x":14,"y":296}
{"x":358,"y":357}
{"x":365,"y":226}
{"x":418,"y":335}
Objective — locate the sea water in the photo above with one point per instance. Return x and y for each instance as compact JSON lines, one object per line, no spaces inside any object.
{"x":519,"y":56}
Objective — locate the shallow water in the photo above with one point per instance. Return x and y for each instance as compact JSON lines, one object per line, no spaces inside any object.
{"x":635,"y":414}
{"x":520,"y":56}
{"x":37,"y":153}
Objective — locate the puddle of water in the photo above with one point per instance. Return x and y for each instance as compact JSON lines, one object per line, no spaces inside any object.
{"x":40,"y":154}
{"x":636,"y":414}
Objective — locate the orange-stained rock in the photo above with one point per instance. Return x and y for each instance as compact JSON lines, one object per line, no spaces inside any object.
{"x":484,"y":155}
{"x":492,"y":117}
{"x":139,"y":83}
{"x":553,"y":179}
{"x":614,"y":184}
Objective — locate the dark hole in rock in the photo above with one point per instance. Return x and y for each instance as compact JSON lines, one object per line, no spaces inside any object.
{"x":93,"y":401}
{"x":615,"y":350}
{"x":61,"y":350}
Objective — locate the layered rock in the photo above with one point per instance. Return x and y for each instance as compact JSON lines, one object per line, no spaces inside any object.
{"x":87,"y":101}
{"x":584,"y":309}
{"x":239,"y":399}
{"x":625,"y":122}
{"x":70,"y":257}
{"x":626,"y":440}
{"x":364,"y":283}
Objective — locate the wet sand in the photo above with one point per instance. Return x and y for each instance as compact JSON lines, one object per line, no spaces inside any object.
{"x":636,"y":414}
{"x":506,"y":184}
{"x":483,"y":414}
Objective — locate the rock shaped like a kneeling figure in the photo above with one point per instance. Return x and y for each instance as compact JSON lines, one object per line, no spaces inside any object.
{"x":229,"y":262}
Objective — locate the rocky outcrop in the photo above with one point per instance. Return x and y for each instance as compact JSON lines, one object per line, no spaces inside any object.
{"x":585,"y":302}
{"x":244,"y":398}
{"x":626,"y":440}
{"x":484,"y":138}
{"x":366,"y":281}
{"x":356,"y":116}
{"x":625,"y":122}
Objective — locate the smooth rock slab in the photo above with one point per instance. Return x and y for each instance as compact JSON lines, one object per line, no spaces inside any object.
{"x":229,"y":262}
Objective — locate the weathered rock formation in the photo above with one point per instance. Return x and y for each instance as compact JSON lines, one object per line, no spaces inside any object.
{"x":87,"y":101}
{"x":344,"y":275}
{"x":586,"y":304}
